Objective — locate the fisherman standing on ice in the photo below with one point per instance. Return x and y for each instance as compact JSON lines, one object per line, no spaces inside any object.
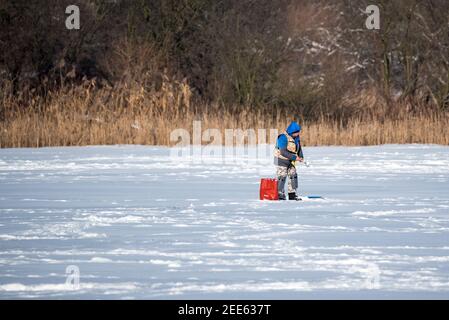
{"x":288,"y":150}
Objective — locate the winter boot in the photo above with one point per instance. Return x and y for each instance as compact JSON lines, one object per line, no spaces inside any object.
{"x":293,"y":196}
{"x":282,"y":196}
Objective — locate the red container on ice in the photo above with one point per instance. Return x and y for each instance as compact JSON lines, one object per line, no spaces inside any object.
{"x":269,"y":189}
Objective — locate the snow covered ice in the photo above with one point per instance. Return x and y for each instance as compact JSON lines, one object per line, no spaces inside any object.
{"x":139,"y":223}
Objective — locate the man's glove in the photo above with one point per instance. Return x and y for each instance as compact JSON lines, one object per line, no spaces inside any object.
{"x":299,"y":160}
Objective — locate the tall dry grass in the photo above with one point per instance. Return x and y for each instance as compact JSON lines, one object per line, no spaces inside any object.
{"x":413,"y":129}
{"x":87,"y":115}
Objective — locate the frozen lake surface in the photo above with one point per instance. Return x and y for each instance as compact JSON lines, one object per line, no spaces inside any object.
{"x":139,"y":223}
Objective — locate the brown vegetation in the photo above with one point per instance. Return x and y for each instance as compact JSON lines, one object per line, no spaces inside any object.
{"x":78,"y":116}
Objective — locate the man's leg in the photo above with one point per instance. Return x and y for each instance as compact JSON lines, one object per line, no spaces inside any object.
{"x":292,"y":183}
{"x":281,"y":173}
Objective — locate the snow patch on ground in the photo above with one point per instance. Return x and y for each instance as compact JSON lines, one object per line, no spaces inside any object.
{"x":142,"y":224}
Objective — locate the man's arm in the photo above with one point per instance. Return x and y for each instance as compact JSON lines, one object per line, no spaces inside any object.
{"x":288,"y":155}
{"x":300,"y":154}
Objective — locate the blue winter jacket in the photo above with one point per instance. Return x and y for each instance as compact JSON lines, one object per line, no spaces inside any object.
{"x":282,"y":142}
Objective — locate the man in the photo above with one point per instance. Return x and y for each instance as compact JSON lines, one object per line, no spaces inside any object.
{"x":288,"y":150}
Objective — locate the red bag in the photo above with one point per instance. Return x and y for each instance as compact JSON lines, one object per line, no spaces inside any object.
{"x":269,"y":189}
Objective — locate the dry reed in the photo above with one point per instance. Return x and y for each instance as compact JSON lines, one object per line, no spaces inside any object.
{"x":90,"y":116}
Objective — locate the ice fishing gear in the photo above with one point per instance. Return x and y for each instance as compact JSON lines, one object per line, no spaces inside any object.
{"x":269,"y":189}
{"x":306,"y":163}
{"x":297,"y":163}
{"x":314,"y":197}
